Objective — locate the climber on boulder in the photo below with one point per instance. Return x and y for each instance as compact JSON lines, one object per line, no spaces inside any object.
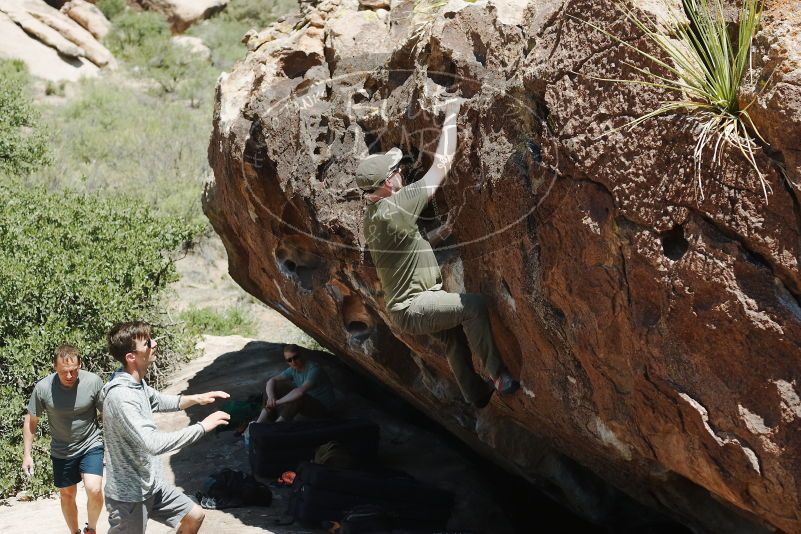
{"x":408,"y":269}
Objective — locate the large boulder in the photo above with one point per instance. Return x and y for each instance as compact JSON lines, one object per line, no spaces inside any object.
{"x":88,"y":16}
{"x":182,"y":13}
{"x":655,"y":324}
{"x":193,"y":45}
{"x":53,"y":45}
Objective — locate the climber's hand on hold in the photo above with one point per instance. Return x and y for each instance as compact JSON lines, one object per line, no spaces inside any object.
{"x":447,"y":227}
{"x":442,"y":232}
{"x":449,"y":104}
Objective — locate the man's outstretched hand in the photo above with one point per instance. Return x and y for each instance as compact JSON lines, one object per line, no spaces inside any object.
{"x":214,"y":420}
{"x":211,"y":396}
{"x":202,"y":398}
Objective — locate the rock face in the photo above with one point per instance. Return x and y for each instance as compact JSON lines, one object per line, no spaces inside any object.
{"x":88,"y":16}
{"x":182,"y":13}
{"x":54,"y":45}
{"x":655,"y":327}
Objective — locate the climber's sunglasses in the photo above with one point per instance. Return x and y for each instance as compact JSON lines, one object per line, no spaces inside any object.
{"x":392,"y":170}
{"x":292,"y":358}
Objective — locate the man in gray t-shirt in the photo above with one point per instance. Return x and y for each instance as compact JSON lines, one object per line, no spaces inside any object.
{"x":70,"y":398}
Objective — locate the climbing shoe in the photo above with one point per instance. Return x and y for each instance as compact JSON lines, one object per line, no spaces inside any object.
{"x":87,"y":530}
{"x":505,"y":384}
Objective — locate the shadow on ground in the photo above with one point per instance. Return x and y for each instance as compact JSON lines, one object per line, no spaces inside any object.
{"x":242,"y":373}
{"x":488,"y":499}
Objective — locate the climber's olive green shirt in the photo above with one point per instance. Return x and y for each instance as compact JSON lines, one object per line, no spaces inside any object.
{"x":404,"y":260}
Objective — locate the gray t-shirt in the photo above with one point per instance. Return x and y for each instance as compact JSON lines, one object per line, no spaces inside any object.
{"x":71,"y":412}
{"x":404,"y":260}
{"x":321,"y":388}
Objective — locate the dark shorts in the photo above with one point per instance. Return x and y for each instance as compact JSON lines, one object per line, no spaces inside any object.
{"x":306,"y":405}
{"x":167,"y":505}
{"x":313,"y":407}
{"x":68,"y":472}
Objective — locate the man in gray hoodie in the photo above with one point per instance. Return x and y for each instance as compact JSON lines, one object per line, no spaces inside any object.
{"x":135,"y":489}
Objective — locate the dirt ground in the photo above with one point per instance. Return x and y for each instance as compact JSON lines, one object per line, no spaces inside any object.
{"x":239,"y":366}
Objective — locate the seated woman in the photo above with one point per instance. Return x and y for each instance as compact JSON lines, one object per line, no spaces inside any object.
{"x":304,"y":388}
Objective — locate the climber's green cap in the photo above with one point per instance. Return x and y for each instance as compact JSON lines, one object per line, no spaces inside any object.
{"x":374,"y":169}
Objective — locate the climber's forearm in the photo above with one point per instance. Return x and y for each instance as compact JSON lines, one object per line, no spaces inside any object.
{"x":433,"y":237}
{"x":438,"y":235}
{"x":446,"y":149}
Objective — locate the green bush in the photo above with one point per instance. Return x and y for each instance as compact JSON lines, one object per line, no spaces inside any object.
{"x":143,"y":41}
{"x":111,"y":138}
{"x":137,"y":36}
{"x":181,"y":72}
{"x":111,"y":8}
{"x":23,"y":145}
{"x":258,"y":13}
{"x":224,"y":39}
{"x":233,"y":321}
{"x":704,"y":60}
{"x":71,"y":265}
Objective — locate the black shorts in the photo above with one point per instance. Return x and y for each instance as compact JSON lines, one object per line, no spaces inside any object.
{"x":67,"y":472}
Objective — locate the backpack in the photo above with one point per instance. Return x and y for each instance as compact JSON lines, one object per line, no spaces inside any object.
{"x":321,"y":493}
{"x":241,"y":412}
{"x":333,"y":454}
{"x":233,"y":489}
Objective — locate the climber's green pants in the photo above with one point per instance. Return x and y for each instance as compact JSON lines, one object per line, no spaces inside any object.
{"x":439,"y":314}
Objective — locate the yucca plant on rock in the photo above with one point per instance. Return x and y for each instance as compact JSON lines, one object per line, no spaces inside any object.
{"x":423,"y":16}
{"x":705,"y":65}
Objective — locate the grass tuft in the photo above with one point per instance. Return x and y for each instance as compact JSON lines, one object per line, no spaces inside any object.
{"x":706,"y":67}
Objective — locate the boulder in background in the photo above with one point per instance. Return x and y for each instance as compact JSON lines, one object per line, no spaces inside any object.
{"x":182,"y":13}
{"x":88,"y":16}
{"x":53,"y":45}
{"x":195,"y":45}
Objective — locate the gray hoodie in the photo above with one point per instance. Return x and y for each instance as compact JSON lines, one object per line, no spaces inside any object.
{"x":133,"y":442}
